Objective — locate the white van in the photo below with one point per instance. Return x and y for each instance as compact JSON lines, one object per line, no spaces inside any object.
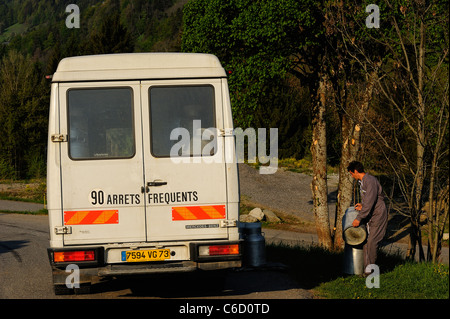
{"x":119,"y":201}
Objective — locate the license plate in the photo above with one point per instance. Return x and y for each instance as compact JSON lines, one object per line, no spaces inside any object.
{"x":145,"y":255}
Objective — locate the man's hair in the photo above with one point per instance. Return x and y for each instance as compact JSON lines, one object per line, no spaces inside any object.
{"x":355,"y":165}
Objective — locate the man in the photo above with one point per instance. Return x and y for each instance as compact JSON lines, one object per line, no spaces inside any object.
{"x":371,"y":211}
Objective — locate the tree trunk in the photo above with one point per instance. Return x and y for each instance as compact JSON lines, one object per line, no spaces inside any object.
{"x":351,"y":137}
{"x":319,"y":162}
{"x":420,"y":139}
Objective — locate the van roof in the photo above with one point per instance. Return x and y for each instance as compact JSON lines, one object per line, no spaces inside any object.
{"x":137,"y":66}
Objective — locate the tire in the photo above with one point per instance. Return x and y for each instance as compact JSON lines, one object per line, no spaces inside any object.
{"x":62,"y":290}
{"x":83,"y":290}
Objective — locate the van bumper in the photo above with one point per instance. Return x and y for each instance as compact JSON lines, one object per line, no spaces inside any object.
{"x":91,"y":271}
{"x":91,"y":275}
{"x":176,"y":267}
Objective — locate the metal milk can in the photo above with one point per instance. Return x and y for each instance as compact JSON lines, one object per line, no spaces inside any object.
{"x":254,"y":244}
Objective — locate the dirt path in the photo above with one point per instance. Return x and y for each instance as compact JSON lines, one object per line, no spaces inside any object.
{"x":284,"y":192}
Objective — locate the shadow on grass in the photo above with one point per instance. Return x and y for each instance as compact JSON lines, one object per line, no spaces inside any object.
{"x":310,"y":266}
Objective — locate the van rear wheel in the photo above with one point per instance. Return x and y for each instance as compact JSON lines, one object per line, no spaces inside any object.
{"x":63,"y":290}
{"x":83,"y":290}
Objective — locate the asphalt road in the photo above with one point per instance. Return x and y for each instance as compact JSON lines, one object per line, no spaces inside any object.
{"x":24,"y":270}
{"x":25,"y":273}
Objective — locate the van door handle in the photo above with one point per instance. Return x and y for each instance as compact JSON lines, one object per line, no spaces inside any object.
{"x":156,"y":183}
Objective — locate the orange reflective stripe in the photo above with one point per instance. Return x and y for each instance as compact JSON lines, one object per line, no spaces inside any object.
{"x":198,"y":212}
{"x":91,"y":217}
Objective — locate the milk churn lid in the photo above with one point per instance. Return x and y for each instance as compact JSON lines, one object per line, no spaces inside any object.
{"x":355,"y":235}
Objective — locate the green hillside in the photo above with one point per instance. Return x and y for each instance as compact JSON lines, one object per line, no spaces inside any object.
{"x":34,"y":38}
{"x":38,"y":28}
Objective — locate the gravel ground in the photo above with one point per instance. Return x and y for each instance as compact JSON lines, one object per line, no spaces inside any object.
{"x":286,"y":192}
{"x":15,"y":206}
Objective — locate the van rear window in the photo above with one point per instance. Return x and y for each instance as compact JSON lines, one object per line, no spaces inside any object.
{"x":101,"y":123}
{"x":182,"y":111}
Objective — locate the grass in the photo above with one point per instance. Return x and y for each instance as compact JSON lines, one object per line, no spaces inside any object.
{"x":406,"y":281}
{"x":32,"y":191}
{"x":38,"y":212}
{"x":309,"y":266}
{"x":12,"y":30}
{"x":25,"y":191}
{"x":320,"y":270}
{"x":303,"y":165}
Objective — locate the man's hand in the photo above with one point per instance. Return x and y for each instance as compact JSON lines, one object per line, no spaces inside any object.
{"x":358,"y":206}
{"x":355,"y":223}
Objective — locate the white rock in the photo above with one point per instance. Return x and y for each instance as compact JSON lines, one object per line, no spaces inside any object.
{"x":271,"y":217}
{"x":257,"y":213}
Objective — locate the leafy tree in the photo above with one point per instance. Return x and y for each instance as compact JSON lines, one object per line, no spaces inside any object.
{"x":22,"y":113}
{"x":255,"y":40}
{"x":261,"y":41}
{"x":111,"y":37}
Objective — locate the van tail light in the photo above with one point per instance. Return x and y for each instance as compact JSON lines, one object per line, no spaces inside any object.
{"x":71,"y":256}
{"x":218,"y":250}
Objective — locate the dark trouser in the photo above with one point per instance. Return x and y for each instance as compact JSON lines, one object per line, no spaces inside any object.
{"x":376,"y":229}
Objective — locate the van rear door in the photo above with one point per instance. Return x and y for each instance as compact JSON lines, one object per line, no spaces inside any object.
{"x":102,"y":162}
{"x":184,"y":159}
